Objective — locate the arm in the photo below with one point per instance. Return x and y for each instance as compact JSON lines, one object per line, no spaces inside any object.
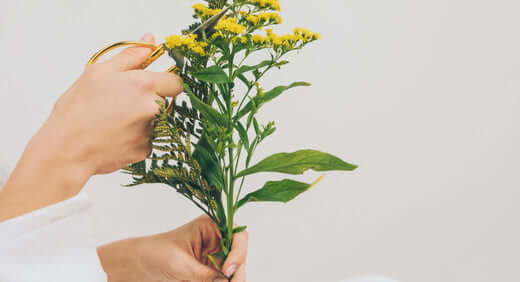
{"x":100,"y":124}
{"x":43,"y":176}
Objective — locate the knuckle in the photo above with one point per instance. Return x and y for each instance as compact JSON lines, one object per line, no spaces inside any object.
{"x":143,"y":83}
{"x":136,"y":52}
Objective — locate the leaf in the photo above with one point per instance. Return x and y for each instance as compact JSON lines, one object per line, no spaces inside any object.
{"x":266,"y":97}
{"x":222,"y":45}
{"x":277,"y":191}
{"x":215,"y":263}
{"x":281,"y":63}
{"x":243,"y":135}
{"x":298,"y":162}
{"x":213,"y":74}
{"x":219,"y":255}
{"x":239,"y":229}
{"x":210,"y":167}
{"x":244,"y":69}
{"x":257,"y":127}
{"x":206,"y":110}
{"x":244,"y":80}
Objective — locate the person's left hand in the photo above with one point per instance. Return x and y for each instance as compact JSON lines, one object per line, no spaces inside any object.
{"x":178,"y":255}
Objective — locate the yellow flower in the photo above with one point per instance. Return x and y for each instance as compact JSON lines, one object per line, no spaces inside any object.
{"x":188,"y":42}
{"x":287,"y":41}
{"x":231,"y":25}
{"x":253,"y":19}
{"x":262,"y":18}
{"x":258,"y":39}
{"x":272,"y":4}
{"x":173,"y":41}
{"x":204,"y":12}
{"x":306,"y":35}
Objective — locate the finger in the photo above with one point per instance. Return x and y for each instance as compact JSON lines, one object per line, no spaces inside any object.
{"x":199,"y":272}
{"x":238,"y":253}
{"x":240,"y":275}
{"x":132,"y":57}
{"x":166,"y":84}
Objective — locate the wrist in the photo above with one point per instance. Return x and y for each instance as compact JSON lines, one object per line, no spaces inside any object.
{"x":119,"y":261}
{"x":44,"y":175}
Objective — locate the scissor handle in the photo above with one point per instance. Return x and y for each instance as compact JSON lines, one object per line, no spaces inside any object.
{"x":157,"y":52}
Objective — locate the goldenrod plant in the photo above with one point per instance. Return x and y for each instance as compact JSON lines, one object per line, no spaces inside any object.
{"x":203,"y":149}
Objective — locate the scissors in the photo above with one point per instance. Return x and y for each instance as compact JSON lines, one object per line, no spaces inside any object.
{"x":159,"y":50}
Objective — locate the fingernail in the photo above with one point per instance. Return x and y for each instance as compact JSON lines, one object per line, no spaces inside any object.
{"x":147,"y":37}
{"x":231,"y":269}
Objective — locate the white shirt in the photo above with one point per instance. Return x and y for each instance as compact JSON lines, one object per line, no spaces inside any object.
{"x":54,"y":244}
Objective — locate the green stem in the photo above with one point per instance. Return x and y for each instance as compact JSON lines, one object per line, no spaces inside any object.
{"x":230,"y":198}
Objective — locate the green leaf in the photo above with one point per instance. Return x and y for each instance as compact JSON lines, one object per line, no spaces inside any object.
{"x":219,"y":255}
{"x":257,"y":127}
{"x":239,"y":229}
{"x":213,"y":74}
{"x":242,"y":132}
{"x":281,"y":63}
{"x":277,"y":191}
{"x":210,"y":167}
{"x":298,"y":162}
{"x":244,"y":80}
{"x":215,"y":263}
{"x":206,"y":110}
{"x":259,"y":100}
{"x":244,"y":69}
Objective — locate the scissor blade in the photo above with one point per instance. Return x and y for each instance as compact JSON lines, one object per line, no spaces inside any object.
{"x":211,"y":22}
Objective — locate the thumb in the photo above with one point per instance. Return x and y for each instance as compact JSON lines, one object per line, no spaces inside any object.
{"x":132,"y":57}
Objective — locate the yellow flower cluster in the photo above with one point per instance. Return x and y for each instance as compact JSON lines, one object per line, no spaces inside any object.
{"x":231,"y":25}
{"x":272,"y":4}
{"x":202,"y":11}
{"x":189,"y":42}
{"x":273,"y":18}
{"x":306,"y":35}
{"x":300,"y":35}
{"x":242,"y":39}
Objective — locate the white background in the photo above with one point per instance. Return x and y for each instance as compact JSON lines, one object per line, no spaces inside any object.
{"x":423,"y":95}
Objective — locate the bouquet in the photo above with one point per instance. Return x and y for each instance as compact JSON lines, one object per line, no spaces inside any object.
{"x":203,"y":149}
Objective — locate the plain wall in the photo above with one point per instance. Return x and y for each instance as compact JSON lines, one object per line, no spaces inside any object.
{"x":423,"y":95}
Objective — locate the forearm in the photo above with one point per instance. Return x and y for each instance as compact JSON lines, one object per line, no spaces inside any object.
{"x":47,"y":173}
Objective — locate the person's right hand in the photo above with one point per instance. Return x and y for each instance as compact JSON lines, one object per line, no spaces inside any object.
{"x":107,"y":115}
{"x":102,"y":123}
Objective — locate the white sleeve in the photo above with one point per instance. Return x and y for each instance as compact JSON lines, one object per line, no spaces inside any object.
{"x":53,"y":244}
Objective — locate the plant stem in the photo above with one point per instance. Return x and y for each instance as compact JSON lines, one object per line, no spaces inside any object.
{"x":230,"y":198}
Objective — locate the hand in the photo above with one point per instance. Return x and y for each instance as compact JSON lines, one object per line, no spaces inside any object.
{"x":102,"y":123}
{"x":107,"y":115}
{"x":178,"y":255}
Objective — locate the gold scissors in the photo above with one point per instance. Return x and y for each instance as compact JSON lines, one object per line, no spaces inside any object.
{"x":159,"y":50}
